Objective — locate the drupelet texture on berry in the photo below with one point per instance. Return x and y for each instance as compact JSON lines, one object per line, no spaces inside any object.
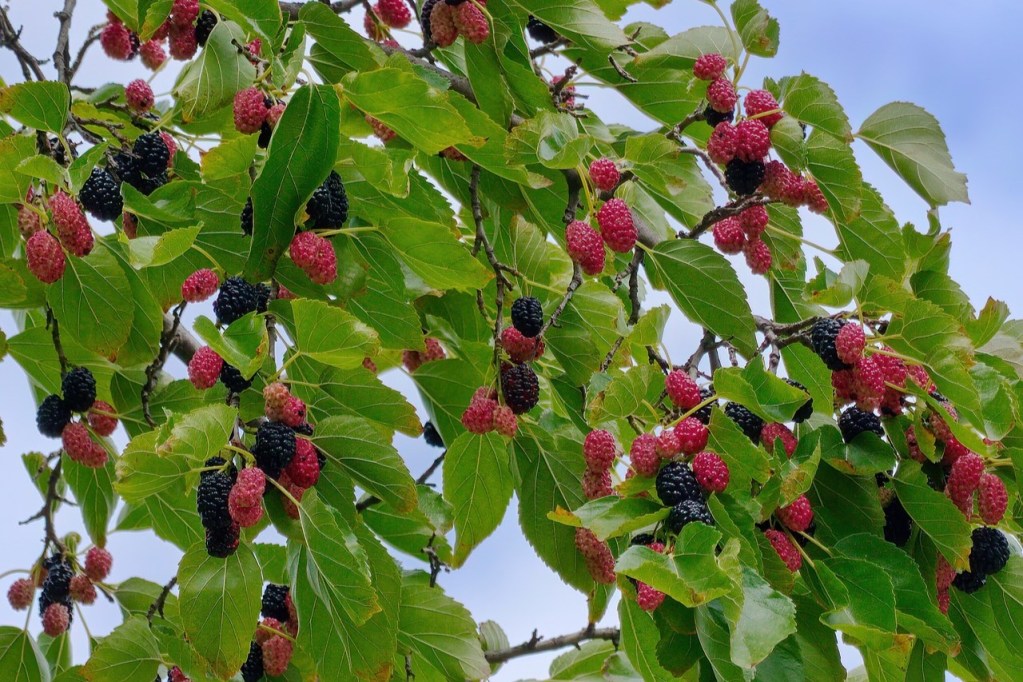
{"x":98,"y":562}
{"x":200,"y":285}
{"x":775,"y":432}
{"x":56,"y":619}
{"x":274,"y":602}
{"x":274,"y":447}
{"x":758,"y":103}
{"x":849,"y":343}
{"x":750,"y":423}
{"x":728,"y":236}
{"x":596,"y":484}
{"x":969,"y":582}
{"x":752,"y":140}
{"x":471,"y":22}
{"x":236,"y":299}
{"x":80,"y":446}
{"x":204,"y":368}
{"x":246,"y":217}
{"x":46,"y":259}
{"x":758,"y":256}
{"x":139,"y":96}
{"x":788,"y":552}
{"x":101,"y":195}
{"x":204,"y":26}
{"x":222,"y":542}
{"x":823,"y":337}
{"x":806,"y":411}
{"x":990,"y":551}
{"x":394,"y":13}
{"x":676,"y":483}
{"x":328,"y":206}
{"x":276,"y":655}
{"x":250,"y":110}
{"x":721,"y":95}
{"x":855,"y":421}
{"x":797,"y":516}
{"x":520,"y":388}
{"x":686,"y":512}
{"x":21,"y":593}
{"x":604,"y":174}
{"x":52,"y":416}
{"x":152,"y":54}
{"x":152,"y":154}
{"x":585,"y":247}
{"x":992,"y":499}
{"x":617,"y":226}
{"x":643,"y":455}
{"x":965,"y":477}
{"x":682,"y":389}
{"x":527,"y":316}
{"x":79,"y":389}
{"x":597,"y":555}
{"x":716,"y":118}
{"x":520,"y":348}
{"x":599,"y":450}
{"x":539,"y":31}
{"x":692,"y":435}
{"x":744,"y":177}
{"x":82,"y":590}
{"x":213,"y":493}
{"x":116,"y":41}
{"x":711,"y":472}
{"x":723,"y":143}
{"x":709,"y":67}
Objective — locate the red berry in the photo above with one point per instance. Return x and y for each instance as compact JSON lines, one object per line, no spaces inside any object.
{"x":604,"y":174}
{"x":599,"y":450}
{"x":21,"y":593}
{"x":761,"y":101}
{"x":797,"y":516}
{"x":616,"y":225}
{"x":200,"y":285}
{"x":315,"y":256}
{"x":596,"y":484}
{"x":774,"y":432}
{"x":82,"y":589}
{"x":721,"y":96}
{"x":45,"y":258}
{"x":101,"y":418}
{"x":115,"y":39}
{"x":849,"y":344}
{"x":520,"y":348}
{"x":754,"y":220}
{"x":711,"y":472}
{"x":98,"y":562}
{"x":374,"y":30}
{"x":788,"y":552}
{"x":183,"y":43}
{"x":479,"y":416}
{"x":471,"y":22}
{"x":965,"y":477}
{"x":245,"y":515}
{"x":710,"y":67}
{"x":275,"y":113}
{"x":139,"y":96}
{"x":753,"y":140}
{"x":294,"y":412}
{"x":944,"y":573}
{"x":781,"y":184}
{"x":276,"y":655}
{"x":992,"y":499}
{"x":643,"y":455}
{"x":72,"y":226}
{"x":758,"y":256}
{"x":442,"y":24}
{"x":944,"y":600}
{"x":913,"y":446}
{"x":80,"y":446}
{"x":175,"y":675}
{"x":304,"y":468}
{"x":29,"y":221}
{"x":505,"y":421}
{"x":172,"y":147}
{"x":692,"y":435}
{"x":56,"y":619}
{"x":723,"y":142}
{"x":250,"y":111}
{"x":204,"y":368}
{"x":868,"y":383}
{"x":647,"y":597}
{"x":152,"y":54}
{"x":813,"y":197}
{"x":953,"y":450}
{"x":919,"y":375}
{"x":263,"y":633}
{"x":668,"y":444}
{"x":585,"y":247}
{"x":729,"y":236}
{"x":893,"y":369}
{"x":184,"y":12}
{"x":434,"y":351}
{"x":380,"y":129}
{"x":394,"y":13}
{"x":682,"y":389}
{"x":597,"y":554}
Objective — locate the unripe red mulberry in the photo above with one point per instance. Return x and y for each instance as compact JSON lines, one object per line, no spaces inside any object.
{"x":200,"y":285}
{"x":45,"y":258}
{"x":721,"y":95}
{"x":781,"y":184}
{"x":183,"y":43}
{"x":394,"y":13}
{"x":992,"y":499}
{"x":442,"y":24}
{"x":21,"y":593}
{"x":849,"y":344}
{"x":250,"y":110}
{"x":813,"y":197}
{"x":115,"y":39}
{"x":82,"y":590}
{"x":709,"y":67}
{"x":604,"y":174}
{"x":29,"y":221}
{"x":773,"y":432}
{"x":711,"y":472}
{"x":965,"y":477}
{"x":729,"y":236}
{"x":80,"y":446}
{"x":204,"y":368}
{"x":648,"y":598}
{"x":277,"y":655}
{"x":139,"y":96}
{"x":98,"y":562}
{"x":692,"y":435}
{"x":585,"y":247}
{"x":505,"y":421}
{"x":797,"y":516}
{"x":617,"y":226}
{"x":56,"y":620}
{"x":761,"y":101}
{"x":753,"y":140}
{"x":788,"y":552}
{"x":723,"y":143}
{"x":520,"y":348}
{"x":682,"y":389}
{"x":152,"y":54}
{"x":754,"y":220}
{"x":643,"y":455}
{"x":478,"y":417}
{"x":597,"y":554}
{"x":471,"y":22}
{"x":599,"y":450}
{"x":72,"y":226}
{"x":596,"y":484}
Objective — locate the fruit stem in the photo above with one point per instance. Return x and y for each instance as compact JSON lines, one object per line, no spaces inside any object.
{"x":298,"y":505}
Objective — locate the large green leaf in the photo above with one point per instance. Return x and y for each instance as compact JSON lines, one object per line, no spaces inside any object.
{"x":612,"y":516}
{"x":301,"y":154}
{"x":211,"y":81}
{"x":936,"y":515}
{"x":910,"y":140}
{"x":368,"y":457}
{"x":582,"y":21}
{"x":128,"y":654}
{"x":94,"y":492}
{"x":586,"y":331}
{"x":758,"y":29}
{"x":331,"y":335}
{"x":639,"y":640}
{"x":477,"y":483}
{"x":762,"y":392}
{"x":244,"y":344}
{"x":812,"y":101}
{"x":759,"y":618}
{"x":259,"y":16}
{"x":42,"y":105}
{"x":706,"y":289}
{"x":20,"y":657}
{"x":336,"y":38}
{"x":89,"y":302}
{"x":435,"y":253}
{"x":223,"y":600}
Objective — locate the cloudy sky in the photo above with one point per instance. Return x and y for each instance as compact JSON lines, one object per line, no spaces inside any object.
{"x":960,"y":65}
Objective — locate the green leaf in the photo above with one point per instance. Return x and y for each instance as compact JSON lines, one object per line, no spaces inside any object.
{"x":581,"y":21}
{"x":243,"y":344}
{"x":478,"y":485}
{"x":586,"y":331}
{"x":745,"y":460}
{"x":691,"y":576}
{"x":20,"y":657}
{"x":844,"y":504}
{"x":411,"y":532}
{"x":89,"y":302}
{"x":762,"y":392}
{"x":911,"y":142}
{"x":211,"y":81}
{"x":810,"y":100}
{"x":639,"y":638}
{"x":368,"y":457}
{"x":612,"y":516}
{"x":624,"y":396}
{"x":300,"y":156}
{"x":337,"y":38}
{"x":435,"y":253}
{"x":874,"y":236}
{"x":759,"y":618}
{"x":223,"y":600}
{"x":43,"y":105}
{"x":1005,"y":595}
{"x":255,"y":16}
{"x":439,"y":630}
{"x":551,"y":138}
{"x":338,"y":568}
{"x":136,"y":595}
{"x":147,"y":252}
{"x":869,"y":613}
{"x":57,"y":651}
{"x":143,"y":471}
{"x":446,"y":387}
{"x":94,"y":492}
{"x":44,"y":168}
{"x":706,"y":288}
{"x":936,"y":515}
{"x":712,"y":630}
{"x":758,"y":29}
{"x":128,"y":654}
{"x":832,"y":164}
{"x":331,"y":335}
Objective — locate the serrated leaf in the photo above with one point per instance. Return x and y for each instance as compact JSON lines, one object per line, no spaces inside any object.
{"x":211,"y":81}
{"x":936,"y":515}
{"x":759,"y":618}
{"x":331,"y":335}
{"x":745,"y":461}
{"x":810,"y":100}
{"x":910,"y":141}
{"x":612,"y":516}
{"x":582,"y":21}
{"x":243,"y":344}
{"x":757,"y":389}
{"x":43,"y":105}
{"x":89,"y":302}
{"x":758,"y":29}
{"x":477,"y":484}
{"x":94,"y":492}
{"x":128,"y":654}
{"x":223,"y":601}
{"x":20,"y":657}
{"x":434,"y":253}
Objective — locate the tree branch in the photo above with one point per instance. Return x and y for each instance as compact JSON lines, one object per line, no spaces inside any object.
{"x":575,"y":283}
{"x":167,"y":340}
{"x":721,"y":212}
{"x":291,"y":9}
{"x":46,"y":513}
{"x":161,"y":600}
{"x":61,"y":54}
{"x":538,"y":644}
{"x":11,"y":39}
{"x":423,"y":478}
{"x":51,"y":322}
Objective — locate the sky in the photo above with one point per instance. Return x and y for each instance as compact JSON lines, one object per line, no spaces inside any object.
{"x":958,"y":64}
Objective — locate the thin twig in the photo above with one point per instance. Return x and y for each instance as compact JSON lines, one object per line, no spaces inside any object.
{"x":167,"y":340}
{"x":11,"y":39}
{"x":721,"y":212}
{"x":89,"y":41}
{"x":620,"y":70}
{"x":423,"y":478}
{"x":46,"y":513}
{"x":548,"y":48}
{"x":51,"y":322}
{"x":637,"y":261}
{"x":575,"y":187}
{"x":537,"y":644}
{"x":161,"y":600}
{"x":575,"y":283}
{"x":61,"y":54}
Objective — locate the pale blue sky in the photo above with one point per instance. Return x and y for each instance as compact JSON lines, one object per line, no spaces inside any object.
{"x":956,"y":59}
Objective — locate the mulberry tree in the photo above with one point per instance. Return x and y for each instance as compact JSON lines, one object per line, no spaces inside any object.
{"x":317,"y":207}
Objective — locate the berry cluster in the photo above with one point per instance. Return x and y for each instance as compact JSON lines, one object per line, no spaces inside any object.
{"x":78,"y":438}
{"x":444,"y":21}
{"x":273,"y":643}
{"x":256,"y":112}
{"x":484,"y":414}
{"x":414,"y":359}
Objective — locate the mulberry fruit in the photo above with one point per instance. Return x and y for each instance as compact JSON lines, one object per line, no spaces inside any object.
{"x":152,"y":154}
{"x":709,"y":67}
{"x":274,"y":602}
{"x":139,"y":96}
{"x":222,"y":542}
{"x":52,"y":416}
{"x":252,"y":669}
{"x":686,"y":512}
{"x":328,"y":206}
{"x":744,"y":177}
{"x":101,"y":195}
{"x":250,"y":110}
{"x":711,"y":472}
{"x":750,"y":423}
{"x":527,"y":316}
{"x":849,"y":343}
{"x":204,"y":368}
{"x":274,"y":447}
{"x":98,"y":562}
{"x":728,"y":236}
{"x":682,"y":389}
{"x":237,"y":298}
{"x":539,"y":31}
{"x":806,"y":411}
{"x":855,"y":421}
{"x":990,"y":551}
{"x":676,"y":483}
{"x":204,"y":26}
{"x":643,"y":455}
{"x":969,"y":582}
{"x":79,"y":389}
{"x":585,"y":247}
{"x":432,"y":436}
{"x":200,"y":285}
{"x":617,"y":226}
{"x":213,"y":493}
{"x":520,"y":388}
{"x":788,"y":552}
{"x":604,"y":174}
{"x":46,"y":259}
{"x":992,"y":499}
{"x":692,"y":435}
{"x":897,"y":523}
{"x":823,"y":337}
{"x":778,"y":432}
{"x":758,"y":103}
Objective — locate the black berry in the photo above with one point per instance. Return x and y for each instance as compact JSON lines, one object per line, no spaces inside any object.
{"x":262,"y":297}
{"x":822,"y":337}
{"x":101,"y":195}
{"x":265,"y":133}
{"x":222,"y":542}
{"x":990,"y":551}
{"x":252,"y":669}
{"x":855,"y":421}
{"x":424,"y":19}
{"x":897,"y":524}
{"x":204,"y":26}
{"x":79,"y":389}
{"x":152,"y":154}
{"x":687,"y":512}
{"x":275,"y":602}
{"x":274,"y":447}
{"x":676,"y":483}
{"x":969,"y":582}
{"x":520,"y":388}
{"x":231,"y":377}
{"x":703,"y":414}
{"x":247,"y":217}
{"x":806,"y":411}
{"x":539,"y":31}
{"x":750,"y":423}
{"x":527,"y":316}
{"x":431,"y":436}
{"x":211,"y":498}
{"x":713,"y":117}
{"x":744,"y":177}
{"x":643,"y":539}
{"x":328,"y":206}
{"x":236,"y":299}
{"x":52,"y":416}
